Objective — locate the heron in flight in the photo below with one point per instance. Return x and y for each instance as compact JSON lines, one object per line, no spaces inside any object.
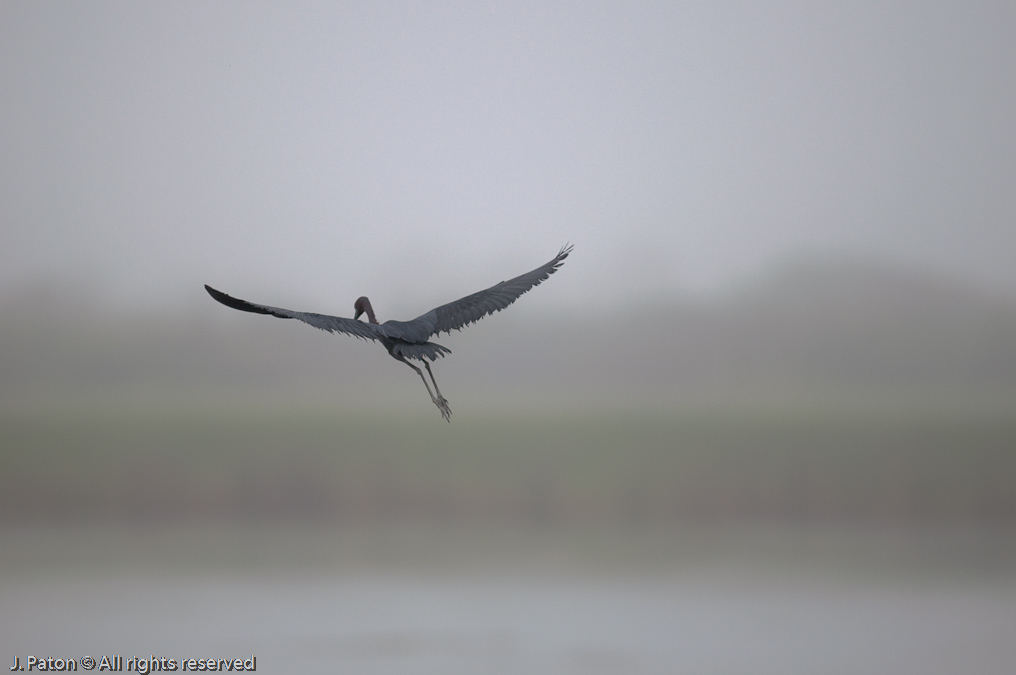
{"x":409,"y":340}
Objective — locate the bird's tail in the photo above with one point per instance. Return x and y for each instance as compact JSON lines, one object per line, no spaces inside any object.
{"x":419,"y":352}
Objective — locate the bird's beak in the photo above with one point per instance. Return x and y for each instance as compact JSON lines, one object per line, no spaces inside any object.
{"x":357,"y":315}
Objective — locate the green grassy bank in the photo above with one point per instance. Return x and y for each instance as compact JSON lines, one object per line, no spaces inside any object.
{"x":608,"y":467}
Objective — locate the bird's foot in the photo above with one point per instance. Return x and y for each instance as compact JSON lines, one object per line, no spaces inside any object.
{"x":442,"y":404}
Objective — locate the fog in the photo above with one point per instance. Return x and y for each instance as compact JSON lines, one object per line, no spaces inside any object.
{"x":324,"y":151}
{"x":762,"y":420}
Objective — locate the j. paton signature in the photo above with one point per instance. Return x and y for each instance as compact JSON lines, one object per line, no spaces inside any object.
{"x":115,"y":663}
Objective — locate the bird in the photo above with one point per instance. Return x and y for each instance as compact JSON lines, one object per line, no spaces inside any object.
{"x":410,"y":340}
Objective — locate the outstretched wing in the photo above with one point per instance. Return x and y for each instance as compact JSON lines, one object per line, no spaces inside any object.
{"x":459,"y":314}
{"x":332,"y":324}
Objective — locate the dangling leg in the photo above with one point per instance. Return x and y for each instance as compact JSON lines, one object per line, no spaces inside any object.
{"x":441,"y":401}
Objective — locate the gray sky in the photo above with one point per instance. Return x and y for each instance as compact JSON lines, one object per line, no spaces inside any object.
{"x":307,"y":153}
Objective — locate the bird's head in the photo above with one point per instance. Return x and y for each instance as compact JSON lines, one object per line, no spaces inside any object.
{"x":361,"y":306}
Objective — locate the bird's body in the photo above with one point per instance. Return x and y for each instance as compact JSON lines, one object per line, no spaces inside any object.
{"x":410,"y":340}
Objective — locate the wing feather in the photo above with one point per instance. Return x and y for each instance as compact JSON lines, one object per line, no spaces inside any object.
{"x":332,"y":324}
{"x":464,"y":311}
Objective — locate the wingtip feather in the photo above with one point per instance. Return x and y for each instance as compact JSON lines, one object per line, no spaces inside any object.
{"x":234,"y":303}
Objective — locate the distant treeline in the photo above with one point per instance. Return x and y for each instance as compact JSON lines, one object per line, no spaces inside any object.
{"x":834,"y":328}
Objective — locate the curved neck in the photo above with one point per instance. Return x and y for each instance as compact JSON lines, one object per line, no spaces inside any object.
{"x":363,"y":306}
{"x":370,"y":312}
